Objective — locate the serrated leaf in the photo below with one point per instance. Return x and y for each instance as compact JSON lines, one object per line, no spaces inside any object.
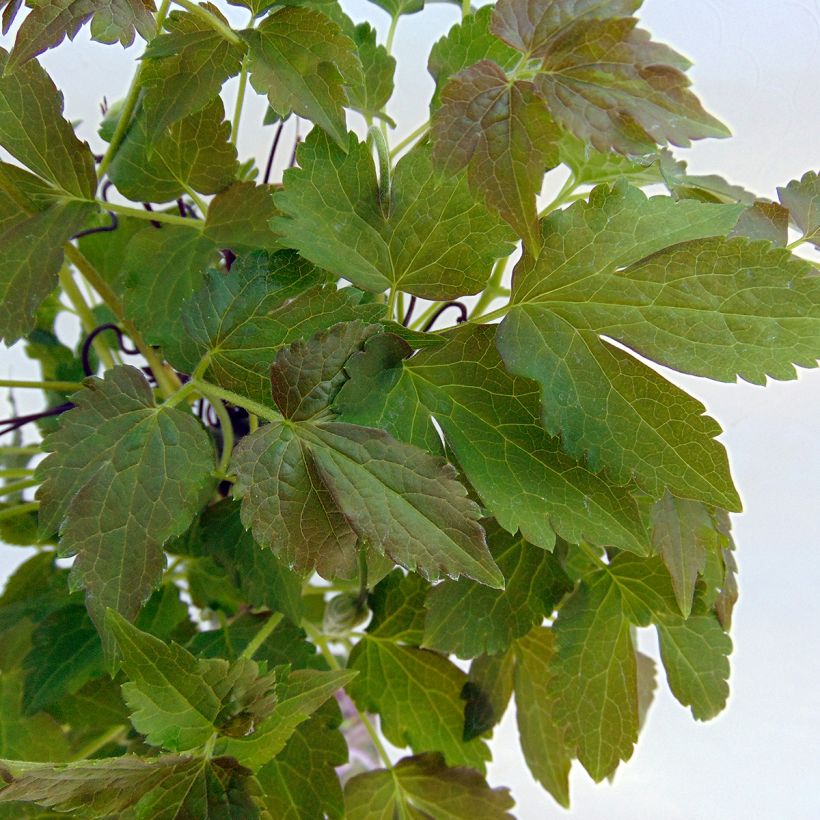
{"x":370,"y":96}
{"x":591,"y":167}
{"x":519,"y":471}
{"x":802,"y":198}
{"x":417,"y":695}
{"x":266,"y":301}
{"x":123,"y":477}
{"x":468,"y":619}
{"x":238,"y":218}
{"x":50,"y":21}
{"x":543,"y":740}
{"x":263,"y":579}
{"x":193,"y":153}
{"x":423,"y":786}
{"x":438,"y":241}
{"x":165,"y":786}
{"x":465,"y":44}
{"x":695,"y":655}
{"x":311,"y":490}
{"x":297,"y":698}
{"x":487,"y":693}
{"x":184,"y":69}
{"x":500,"y":131}
{"x":301,"y":781}
{"x":34,"y":131}
{"x":302,"y":61}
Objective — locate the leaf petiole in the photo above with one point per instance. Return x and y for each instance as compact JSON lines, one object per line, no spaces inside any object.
{"x":20,"y":509}
{"x":262,"y":635}
{"x":212,"y":20}
{"x":62,"y":387}
{"x":206,"y":388}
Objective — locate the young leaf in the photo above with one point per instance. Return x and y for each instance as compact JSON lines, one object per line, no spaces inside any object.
{"x":50,"y":21}
{"x":425,"y":786}
{"x":370,"y":96}
{"x":802,"y":198}
{"x":468,"y":619}
{"x":519,"y":472}
{"x":301,"y":59}
{"x":123,"y":477}
{"x":185,"y":68}
{"x":417,"y":695}
{"x":438,"y":241}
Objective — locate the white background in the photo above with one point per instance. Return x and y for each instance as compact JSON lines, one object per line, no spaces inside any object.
{"x":756,"y":67}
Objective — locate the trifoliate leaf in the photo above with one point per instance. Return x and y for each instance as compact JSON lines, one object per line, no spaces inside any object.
{"x":417,"y":695}
{"x":802,"y":198}
{"x":50,"y":21}
{"x":297,"y":698}
{"x":33,"y":130}
{"x":543,"y":740}
{"x":309,"y":490}
{"x":302,"y":61}
{"x":193,"y":153}
{"x":695,"y":655}
{"x":519,"y":472}
{"x":239,"y":320}
{"x":487,"y":693}
{"x":123,"y":477}
{"x":500,"y":131}
{"x":370,"y":96}
{"x":184,"y":69}
{"x":238,"y":218}
{"x":301,"y":781}
{"x":169,"y":786}
{"x":397,"y":604}
{"x":438,"y":241}
{"x":465,"y":44}
{"x":468,"y":619}
{"x":423,"y":786}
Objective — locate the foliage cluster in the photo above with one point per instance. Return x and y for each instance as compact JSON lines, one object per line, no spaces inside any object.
{"x":299,"y":478}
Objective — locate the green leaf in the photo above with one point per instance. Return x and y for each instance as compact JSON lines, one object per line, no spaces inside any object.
{"x":417,"y":695}
{"x":256,"y":571}
{"x":66,"y":653}
{"x":301,"y":781}
{"x":184,"y":70}
{"x":302,"y":61}
{"x":519,"y":472}
{"x":297,"y":698}
{"x":240,"y":320}
{"x":123,"y":477}
{"x":162,"y":268}
{"x":543,"y":740}
{"x":238,"y":218}
{"x":370,"y":96}
{"x":397,"y":604}
{"x":500,"y":131}
{"x":50,"y":21}
{"x":695,"y":655}
{"x":438,"y":242}
{"x":802,"y":198}
{"x":487,"y":693}
{"x":169,"y":786}
{"x":468,"y":619}
{"x":309,"y":490}
{"x":683,"y":534}
{"x":764,"y":220}
{"x":423,"y":786}
{"x":193,"y":153}
{"x":591,"y":167}
{"x":172,"y":701}
{"x":604,"y":79}
{"x":465,"y":44}
{"x":33,"y":130}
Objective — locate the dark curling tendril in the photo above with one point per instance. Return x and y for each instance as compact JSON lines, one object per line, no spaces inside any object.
{"x":19,"y":421}
{"x":410,"y":308}
{"x":446,"y":306}
{"x":148,"y":207}
{"x":269,"y":167}
{"x":85,"y":352}
{"x":114,"y":224}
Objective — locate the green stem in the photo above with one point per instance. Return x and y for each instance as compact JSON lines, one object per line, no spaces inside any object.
{"x":391,"y":34}
{"x":494,"y":314}
{"x":87,"y":319}
{"x":20,"y":509}
{"x":262,"y":635}
{"x":62,"y":387}
{"x":492,"y":291}
{"x":561,"y":197}
{"x":21,"y":451}
{"x":410,"y":138}
{"x":802,"y":241}
{"x":17,"y":472}
{"x":198,"y":201}
{"x":466,"y":9}
{"x":239,"y":401}
{"x":240,"y":100}
{"x":321,"y":643}
{"x":181,"y":394}
{"x":376,"y":137}
{"x":155,"y":216}
{"x":131,"y":99}
{"x":227,"y":434}
{"x":19,"y":486}
{"x":94,"y":746}
{"x":212,"y":20}
{"x":391,"y":303}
